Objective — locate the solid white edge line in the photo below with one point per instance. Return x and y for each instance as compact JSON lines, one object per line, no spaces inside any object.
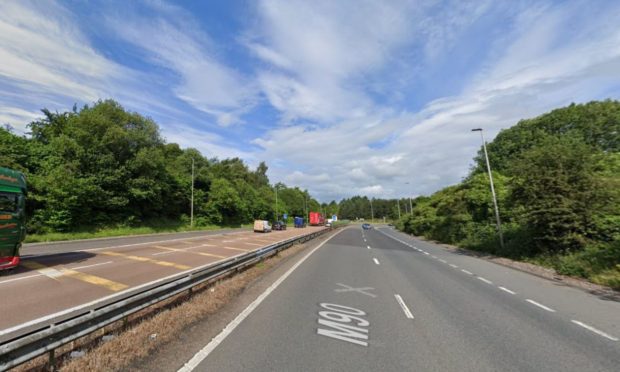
{"x":376,"y":261}
{"x":403,"y":306}
{"x":540,"y":305}
{"x":205,"y":351}
{"x":467,"y":272}
{"x":507,"y":290}
{"x":598,"y":332}
{"x":485,"y":280}
{"x":88,"y":266}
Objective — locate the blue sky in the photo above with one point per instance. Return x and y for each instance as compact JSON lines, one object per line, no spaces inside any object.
{"x":340,"y":97}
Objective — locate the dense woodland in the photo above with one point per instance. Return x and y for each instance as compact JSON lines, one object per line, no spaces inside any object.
{"x":102,"y":166}
{"x":557,"y":177}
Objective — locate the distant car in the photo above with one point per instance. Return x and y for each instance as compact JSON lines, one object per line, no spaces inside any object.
{"x":366,"y":226}
{"x":279,"y":225}
{"x":389,"y":224}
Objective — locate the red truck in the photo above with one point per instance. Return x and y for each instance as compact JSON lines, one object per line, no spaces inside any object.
{"x":316,"y":219}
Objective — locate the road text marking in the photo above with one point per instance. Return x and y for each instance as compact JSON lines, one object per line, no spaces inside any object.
{"x":403,"y":306}
{"x":598,"y":332}
{"x":540,"y":305}
{"x":208,"y":349}
{"x":337,"y":318}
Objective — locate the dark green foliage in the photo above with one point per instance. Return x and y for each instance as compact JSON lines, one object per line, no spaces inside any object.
{"x":104,"y":166}
{"x":557,"y":177}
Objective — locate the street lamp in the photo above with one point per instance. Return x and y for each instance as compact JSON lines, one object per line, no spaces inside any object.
{"x":410,"y":204}
{"x":191,"y":213}
{"x":486,"y":156}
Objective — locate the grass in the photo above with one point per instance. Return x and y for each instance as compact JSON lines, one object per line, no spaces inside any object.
{"x":106,"y":232}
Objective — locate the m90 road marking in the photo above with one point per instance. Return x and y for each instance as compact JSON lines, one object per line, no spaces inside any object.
{"x":343,"y":323}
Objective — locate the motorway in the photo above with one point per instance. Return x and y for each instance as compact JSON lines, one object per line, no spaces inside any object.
{"x":381,"y":300}
{"x":57,"y":280}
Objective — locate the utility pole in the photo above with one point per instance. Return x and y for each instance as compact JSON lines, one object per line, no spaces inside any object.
{"x":276,"y":187}
{"x":372,"y":213}
{"x":191,"y":213}
{"x":398,"y":204}
{"x":497,"y":219}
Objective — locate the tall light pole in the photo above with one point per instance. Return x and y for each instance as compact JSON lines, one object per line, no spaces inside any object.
{"x":410,"y":203}
{"x":497,"y":219}
{"x":398,"y":205}
{"x":372,"y":213}
{"x":276,"y":187}
{"x":191,"y":211}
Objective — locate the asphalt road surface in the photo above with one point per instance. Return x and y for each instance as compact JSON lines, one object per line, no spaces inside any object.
{"x":62,"y":279}
{"x":381,"y":301}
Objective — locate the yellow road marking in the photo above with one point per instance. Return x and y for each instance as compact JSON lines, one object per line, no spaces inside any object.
{"x":146,"y":259}
{"x":62,"y":272}
{"x":102,"y":282}
{"x":237,"y":249}
{"x":186,"y":251}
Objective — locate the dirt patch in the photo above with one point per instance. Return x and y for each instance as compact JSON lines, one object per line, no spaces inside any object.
{"x":540,"y":271}
{"x":123,"y":344}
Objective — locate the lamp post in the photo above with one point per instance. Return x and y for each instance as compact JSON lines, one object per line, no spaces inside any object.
{"x":191,"y":211}
{"x":410,"y":203}
{"x":497,"y":219}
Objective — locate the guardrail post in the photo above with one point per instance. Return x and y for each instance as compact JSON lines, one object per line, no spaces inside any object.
{"x":51,"y":365}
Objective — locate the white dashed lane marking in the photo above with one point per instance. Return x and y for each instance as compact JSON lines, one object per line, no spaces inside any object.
{"x":540,"y":305}
{"x":376,"y":261}
{"x":597,"y":331}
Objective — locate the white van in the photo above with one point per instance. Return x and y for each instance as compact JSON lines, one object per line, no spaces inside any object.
{"x":262,"y":226}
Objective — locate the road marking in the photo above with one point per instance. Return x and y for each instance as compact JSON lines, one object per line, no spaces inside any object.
{"x":146,"y":259}
{"x":403,"y":306}
{"x":205,"y":351}
{"x":237,"y":249}
{"x":63,"y":272}
{"x":42,"y":269}
{"x":507,"y":290}
{"x":257,"y":245}
{"x":444,"y":261}
{"x":598,"y":332}
{"x":361,"y":290}
{"x":185,"y":251}
{"x":92,"y":279}
{"x":435,"y":257}
{"x":425,"y":252}
{"x":368,"y":246}
{"x":21,"y":278}
{"x":467,"y":272}
{"x":540,"y":305}
{"x":485,"y":280}
{"x":454,"y":266}
{"x":338,"y":319}
{"x":376,"y":261}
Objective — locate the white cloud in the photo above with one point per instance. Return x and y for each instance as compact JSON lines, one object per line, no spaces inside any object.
{"x":204,"y":81}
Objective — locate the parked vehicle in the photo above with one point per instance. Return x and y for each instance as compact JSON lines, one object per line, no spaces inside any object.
{"x":366,"y":226}
{"x":279,"y":225}
{"x":316,"y":219}
{"x":299,"y":222}
{"x":12,"y":216}
{"x":262,"y":226}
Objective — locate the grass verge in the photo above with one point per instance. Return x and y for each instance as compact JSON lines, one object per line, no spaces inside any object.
{"x":119,"y":231}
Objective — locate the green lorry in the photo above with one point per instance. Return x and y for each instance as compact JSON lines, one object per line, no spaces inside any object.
{"x":12,"y":216}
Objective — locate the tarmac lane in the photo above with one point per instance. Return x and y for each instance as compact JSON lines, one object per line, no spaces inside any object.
{"x":47,"y":284}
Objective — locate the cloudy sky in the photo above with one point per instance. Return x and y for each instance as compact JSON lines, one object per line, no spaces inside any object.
{"x":339,"y":97}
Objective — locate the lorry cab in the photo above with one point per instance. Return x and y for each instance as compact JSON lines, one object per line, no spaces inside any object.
{"x":12,"y":216}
